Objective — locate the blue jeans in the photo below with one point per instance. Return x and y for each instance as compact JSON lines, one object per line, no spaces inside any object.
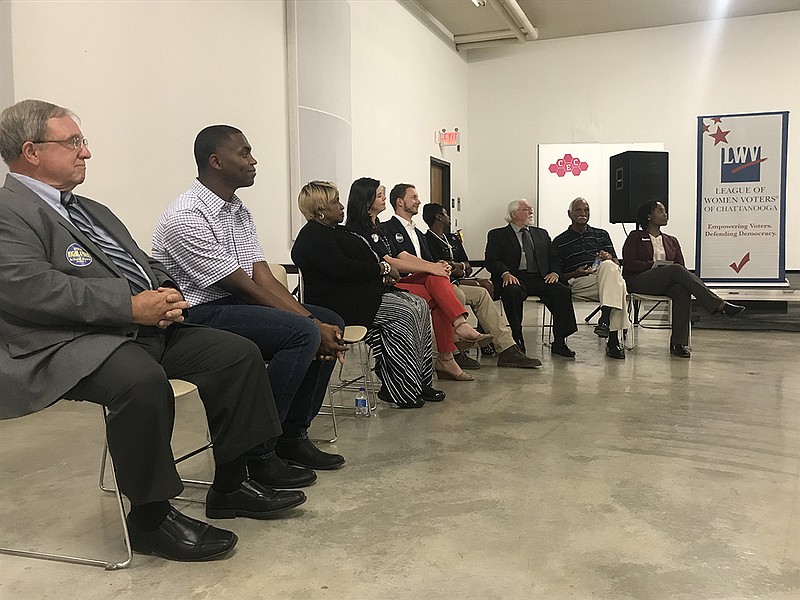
{"x":289,"y":343}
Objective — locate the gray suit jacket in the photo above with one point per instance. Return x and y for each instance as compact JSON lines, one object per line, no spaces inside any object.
{"x":64,"y":305}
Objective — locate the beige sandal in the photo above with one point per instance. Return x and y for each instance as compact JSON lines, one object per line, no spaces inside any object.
{"x":443,"y":374}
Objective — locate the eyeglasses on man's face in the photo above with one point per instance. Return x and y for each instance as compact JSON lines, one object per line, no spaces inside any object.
{"x":76,"y":142}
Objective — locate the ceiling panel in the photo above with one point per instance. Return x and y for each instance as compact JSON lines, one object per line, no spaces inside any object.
{"x":567,"y":18}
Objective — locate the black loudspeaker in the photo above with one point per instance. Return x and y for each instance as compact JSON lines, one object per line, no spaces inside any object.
{"x":637,"y":177}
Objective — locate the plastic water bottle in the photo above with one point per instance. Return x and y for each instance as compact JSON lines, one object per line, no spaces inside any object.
{"x":596,"y":264}
{"x":362,"y":410}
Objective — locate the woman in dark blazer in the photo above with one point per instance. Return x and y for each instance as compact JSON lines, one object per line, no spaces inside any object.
{"x":652,"y":263}
{"x":341,"y":272}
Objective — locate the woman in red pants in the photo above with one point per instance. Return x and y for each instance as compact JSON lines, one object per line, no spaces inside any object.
{"x":428,"y":280}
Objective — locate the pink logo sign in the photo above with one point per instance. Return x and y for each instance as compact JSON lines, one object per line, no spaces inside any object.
{"x":568,"y":164}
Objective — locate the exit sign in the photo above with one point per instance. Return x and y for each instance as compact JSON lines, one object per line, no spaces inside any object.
{"x":447,"y":138}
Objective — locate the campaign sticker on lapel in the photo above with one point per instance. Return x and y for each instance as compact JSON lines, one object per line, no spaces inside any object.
{"x":375,"y":237}
{"x":77,"y":256}
{"x":399,"y":237}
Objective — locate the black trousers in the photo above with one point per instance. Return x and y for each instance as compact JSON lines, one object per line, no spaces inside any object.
{"x":557,"y":297}
{"x":679,"y":284}
{"x":133,"y":383}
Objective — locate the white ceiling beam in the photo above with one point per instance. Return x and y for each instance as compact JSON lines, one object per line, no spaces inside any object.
{"x":488,"y":44}
{"x":484,"y":36}
{"x":510,"y":23}
{"x":431,"y":22}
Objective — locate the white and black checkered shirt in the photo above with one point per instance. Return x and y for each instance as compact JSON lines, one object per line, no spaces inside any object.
{"x":200,"y":238}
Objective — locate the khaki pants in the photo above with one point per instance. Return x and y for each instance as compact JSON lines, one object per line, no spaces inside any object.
{"x":486,"y":312}
{"x":607,"y":286}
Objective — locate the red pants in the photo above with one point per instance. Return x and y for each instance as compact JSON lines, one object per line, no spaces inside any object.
{"x":445,"y":307}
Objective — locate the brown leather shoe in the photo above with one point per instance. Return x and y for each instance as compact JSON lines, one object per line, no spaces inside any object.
{"x":512,"y":357}
{"x":466,"y":363}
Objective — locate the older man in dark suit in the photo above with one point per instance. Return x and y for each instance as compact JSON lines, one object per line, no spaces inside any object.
{"x":86,"y":315}
{"x":524,"y":263}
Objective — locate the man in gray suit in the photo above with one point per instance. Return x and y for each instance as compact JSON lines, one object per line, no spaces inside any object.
{"x":86,"y":315}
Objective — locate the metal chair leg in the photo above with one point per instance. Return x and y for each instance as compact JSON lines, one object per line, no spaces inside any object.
{"x":80,"y":560}
{"x":366,"y":378}
{"x":180,"y":388}
{"x":188,"y":455}
{"x":593,"y":313}
{"x":333,"y":420}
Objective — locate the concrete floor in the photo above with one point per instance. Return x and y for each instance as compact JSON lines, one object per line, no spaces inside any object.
{"x":645,"y":479}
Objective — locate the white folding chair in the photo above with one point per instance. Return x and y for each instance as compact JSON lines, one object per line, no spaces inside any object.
{"x":180,"y":388}
{"x":635,"y":303}
{"x":109,"y":565}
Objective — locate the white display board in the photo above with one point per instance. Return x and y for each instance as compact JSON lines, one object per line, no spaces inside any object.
{"x":566,"y":171}
{"x":741,"y":198}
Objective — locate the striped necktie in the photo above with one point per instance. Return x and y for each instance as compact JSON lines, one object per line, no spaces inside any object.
{"x":124,"y":261}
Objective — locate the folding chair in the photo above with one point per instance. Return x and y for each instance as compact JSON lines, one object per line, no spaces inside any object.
{"x":109,"y":565}
{"x":634,"y":305}
{"x":180,"y":389}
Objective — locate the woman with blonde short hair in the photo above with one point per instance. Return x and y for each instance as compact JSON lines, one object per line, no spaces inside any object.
{"x":341,"y":272}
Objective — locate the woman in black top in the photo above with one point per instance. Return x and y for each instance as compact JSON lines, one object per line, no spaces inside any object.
{"x":342,"y":272}
{"x":428,"y":280}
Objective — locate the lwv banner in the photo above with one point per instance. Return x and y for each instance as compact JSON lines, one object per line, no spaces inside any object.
{"x":741,"y":198}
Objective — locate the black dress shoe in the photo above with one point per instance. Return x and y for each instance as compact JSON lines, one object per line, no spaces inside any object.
{"x":273,"y":471}
{"x":679,"y":350}
{"x":252,"y":500}
{"x":383,"y":394}
{"x":430,"y":394}
{"x":601,"y":330}
{"x":488,"y":350}
{"x":731,"y":310}
{"x":303,"y":452}
{"x":615,"y":351}
{"x":562,"y":350}
{"x":182,"y":538}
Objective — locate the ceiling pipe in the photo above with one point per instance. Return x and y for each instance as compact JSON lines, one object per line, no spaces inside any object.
{"x":531,"y":32}
{"x":495,"y":4}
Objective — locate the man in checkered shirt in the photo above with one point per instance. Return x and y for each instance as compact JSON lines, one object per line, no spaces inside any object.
{"x":207,"y":240}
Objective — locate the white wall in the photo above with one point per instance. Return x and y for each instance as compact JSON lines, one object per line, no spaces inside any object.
{"x":635,"y":86}
{"x":406,"y":85}
{"x":145,"y":77}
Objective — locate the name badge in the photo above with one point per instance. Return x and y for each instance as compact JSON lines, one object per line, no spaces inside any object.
{"x":399,"y":237}
{"x":78,"y":256}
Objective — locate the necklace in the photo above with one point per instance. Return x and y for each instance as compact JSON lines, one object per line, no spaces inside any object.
{"x":446,"y":242}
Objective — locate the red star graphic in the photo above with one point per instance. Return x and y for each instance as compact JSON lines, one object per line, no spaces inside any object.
{"x":720,"y":135}
{"x":705,"y":128}
{"x":716,"y":120}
